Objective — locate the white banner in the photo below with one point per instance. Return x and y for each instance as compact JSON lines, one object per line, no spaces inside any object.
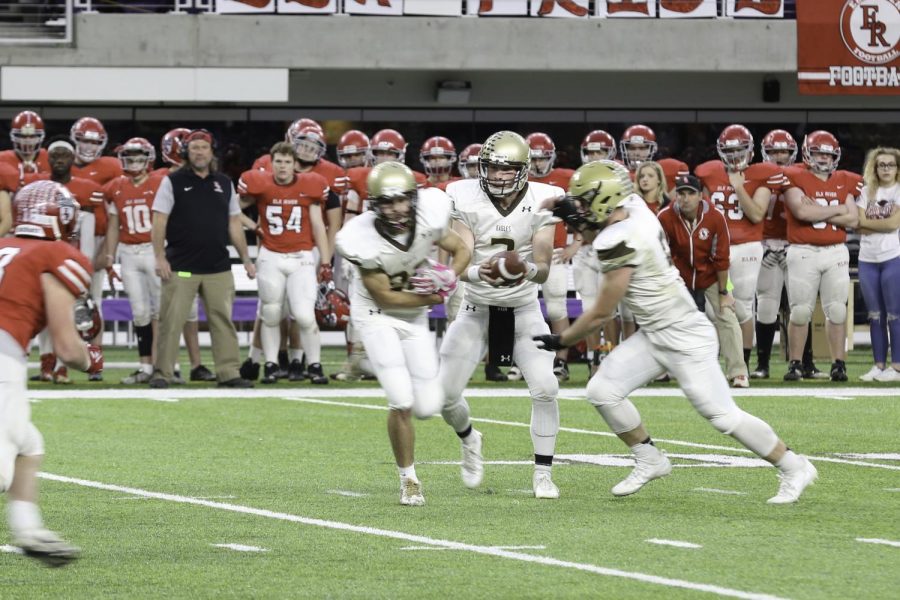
{"x":491,"y":8}
{"x":373,"y":7}
{"x":569,"y":9}
{"x":233,"y":7}
{"x":445,"y":8}
{"x":687,"y":9}
{"x":625,"y":8}
{"x":755,"y":8}
{"x":308,"y":7}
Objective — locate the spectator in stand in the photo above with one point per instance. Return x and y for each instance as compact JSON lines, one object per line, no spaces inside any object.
{"x":879,"y":258}
{"x":196,"y":211}
{"x":700,"y":246}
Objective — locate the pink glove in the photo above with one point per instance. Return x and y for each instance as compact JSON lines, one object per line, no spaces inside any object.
{"x":433,"y":278}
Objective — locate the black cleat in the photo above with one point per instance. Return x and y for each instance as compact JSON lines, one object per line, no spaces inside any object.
{"x":493,"y":373}
{"x":296,"y":371}
{"x":270,"y":373}
{"x":249,"y":370}
{"x":237,"y":382}
{"x":316,"y":375}
{"x":838,"y":371}
{"x":795,"y":371}
{"x":201,"y":373}
{"x":761,"y":372}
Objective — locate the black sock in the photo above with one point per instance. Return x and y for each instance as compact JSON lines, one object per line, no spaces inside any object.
{"x":765,"y":338}
{"x":464,"y":434}
{"x":283,"y":359}
{"x":807,"y":349}
{"x":648,"y":441}
{"x":543,"y":459}
{"x":747,"y":353}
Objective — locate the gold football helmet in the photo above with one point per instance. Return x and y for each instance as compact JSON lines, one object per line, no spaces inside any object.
{"x":504,"y":150}
{"x":600,"y":186}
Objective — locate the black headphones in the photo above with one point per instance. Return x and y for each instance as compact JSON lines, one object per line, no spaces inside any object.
{"x":200,"y":134}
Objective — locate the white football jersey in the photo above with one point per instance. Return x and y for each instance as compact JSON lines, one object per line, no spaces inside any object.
{"x":656,"y":294}
{"x":496,"y":231}
{"x":360,"y":242}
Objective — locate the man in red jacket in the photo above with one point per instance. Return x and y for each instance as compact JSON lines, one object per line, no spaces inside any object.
{"x":699,"y":242}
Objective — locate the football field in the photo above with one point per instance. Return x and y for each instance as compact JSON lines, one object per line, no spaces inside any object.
{"x":283,"y":492}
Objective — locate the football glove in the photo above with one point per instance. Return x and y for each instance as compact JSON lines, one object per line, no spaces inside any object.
{"x":551,"y":342}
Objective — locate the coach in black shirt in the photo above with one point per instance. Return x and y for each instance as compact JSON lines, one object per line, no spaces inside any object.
{"x":195,"y":214}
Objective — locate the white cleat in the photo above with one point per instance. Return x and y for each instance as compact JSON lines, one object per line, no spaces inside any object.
{"x":411,"y":492}
{"x":472,"y":461}
{"x":644,"y":472}
{"x":793,"y":484}
{"x":47,"y":547}
{"x":543,"y":486}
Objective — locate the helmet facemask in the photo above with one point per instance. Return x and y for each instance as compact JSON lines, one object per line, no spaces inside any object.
{"x":394,"y":221}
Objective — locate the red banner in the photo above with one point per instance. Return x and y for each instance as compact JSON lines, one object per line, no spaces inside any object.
{"x":848,"y":47}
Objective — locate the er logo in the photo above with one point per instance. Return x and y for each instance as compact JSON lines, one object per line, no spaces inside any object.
{"x":871,"y":29}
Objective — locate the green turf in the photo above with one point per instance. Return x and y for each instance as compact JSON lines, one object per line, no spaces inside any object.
{"x":287,"y":456}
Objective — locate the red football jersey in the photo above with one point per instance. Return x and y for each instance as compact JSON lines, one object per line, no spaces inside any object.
{"x":672,"y":168}
{"x":723,"y":197}
{"x":332,"y":172}
{"x":102,"y":171}
{"x":832,"y":192}
{"x":284,"y":209}
{"x":22,"y":311}
{"x":40,"y":164}
{"x":134,"y":207}
{"x":357,"y":176}
{"x":442,"y":185}
{"x":9,"y":178}
{"x":775,"y":223}
{"x":560,"y":178}
{"x":88,"y":194}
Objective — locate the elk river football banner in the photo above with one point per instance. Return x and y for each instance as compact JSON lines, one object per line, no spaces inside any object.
{"x":848,"y":47}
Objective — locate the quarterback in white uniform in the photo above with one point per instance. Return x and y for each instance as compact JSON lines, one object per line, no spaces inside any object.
{"x":501,"y":211}
{"x":673,"y":336}
{"x":390,"y":245}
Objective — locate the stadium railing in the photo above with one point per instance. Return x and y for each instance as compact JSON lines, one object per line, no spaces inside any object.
{"x":36,"y":21}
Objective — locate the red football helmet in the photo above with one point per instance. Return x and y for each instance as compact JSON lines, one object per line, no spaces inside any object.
{"x":735,"y":147}
{"x":468,"y":161}
{"x":387,"y":145}
{"x":775,"y":140}
{"x":332,"y":307}
{"x":172,"y":146}
{"x":309,"y":144}
{"x":638,"y":144}
{"x":437,"y":147}
{"x":541,"y":148}
{"x":136,"y":155}
{"x":295,"y":127}
{"x":353,"y":149}
{"x":821,"y":142}
{"x":27,"y":133}
{"x":90,"y":139}
{"x":88,"y":320}
{"x":596,"y":142}
{"x":45,"y":209}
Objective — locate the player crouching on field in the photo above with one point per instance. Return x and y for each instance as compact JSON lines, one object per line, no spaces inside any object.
{"x":673,"y":335}
{"x":391,"y":244}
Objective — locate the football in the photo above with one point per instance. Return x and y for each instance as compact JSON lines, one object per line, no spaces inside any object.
{"x":508,"y":266}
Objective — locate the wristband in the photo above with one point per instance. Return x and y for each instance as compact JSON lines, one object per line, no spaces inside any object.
{"x":531,"y":271}
{"x":472,"y":274}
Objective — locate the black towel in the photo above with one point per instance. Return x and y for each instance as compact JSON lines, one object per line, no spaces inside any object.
{"x":501,"y":335}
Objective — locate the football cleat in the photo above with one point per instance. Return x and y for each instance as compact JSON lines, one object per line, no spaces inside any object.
{"x":811,"y":372}
{"x":838,"y":371}
{"x":157,"y":381}
{"x":295,"y":371}
{"x":270,"y":373}
{"x":493,"y":373}
{"x":61,"y":376}
{"x":177,"y":379}
{"x":795,"y":372}
{"x":793,"y":484}
{"x":316,"y":374}
{"x":98,"y":376}
{"x":543,"y":486}
{"x":561,"y":369}
{"x":137,"y":377}
{"x":760,"y":373}
{"x":411,"y":492}
{"x":249,"y":370}
{"x":644,"y":472}
{"x":472,"y":460}
{"x":47,"y":547}
{"x":514,"y":374}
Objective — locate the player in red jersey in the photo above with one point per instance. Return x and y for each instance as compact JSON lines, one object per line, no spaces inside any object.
{"x":541,"y":169}
{"x":437,"y":156}
{"x":9,"y":183}
{"x":638,"y":144}
{"x":821,"y":206}
{"x":598,"y":145}
{"x":27,"y":134}
{"x":61,"y":156}
{"x":741,"y":191}
{"x":44,"y":284}
{"x":291,"y":223}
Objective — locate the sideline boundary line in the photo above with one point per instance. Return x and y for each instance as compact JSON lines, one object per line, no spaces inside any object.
{"x":418,"y":539}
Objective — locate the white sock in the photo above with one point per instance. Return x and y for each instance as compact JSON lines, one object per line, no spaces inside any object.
{"x":408,"y":472}
{"x":23,"y":516}
{"x":297,"y":354}
{"x":646,"y":452}
{"x":542,"y":469}
{"x":176,"y":368}
{"x":791,"y":461}
{"x":147,"y":368}
{"x":255,"y":354}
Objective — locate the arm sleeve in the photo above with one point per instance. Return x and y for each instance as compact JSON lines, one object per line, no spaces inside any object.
{"x":164,"y":200}
{"x":234,"y":205}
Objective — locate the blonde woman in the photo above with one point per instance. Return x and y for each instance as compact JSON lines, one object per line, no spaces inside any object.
{"x":650,"y":184}
{"x":879,"y":258}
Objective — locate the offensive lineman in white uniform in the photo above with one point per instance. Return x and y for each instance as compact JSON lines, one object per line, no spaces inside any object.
{"x":501,"y":211}
{"x":673,"y":336}
{"x":391,"y":244}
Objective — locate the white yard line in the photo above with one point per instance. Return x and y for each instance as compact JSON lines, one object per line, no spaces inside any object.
{"x":347,"y":493}
{"x":495,"y":547}
{"x":11,"y":549}
{"x":240,"y":547}
{"x":718,"y":491}
{"x":892,"y":489}
{"x":877,"y":541}
{"x":420,"y":540}
{"x":674,"y":543}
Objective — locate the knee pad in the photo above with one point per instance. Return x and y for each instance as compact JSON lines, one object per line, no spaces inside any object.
{"x":429,"y":402}
{"x":556,"y":307}
{"x":306,"y":321}
{"x":141,"y":315}
{"x":744,"y":309}
{"x":767,"y":309}
{"x":801,"y":314}
{"x":271,"y":314}
{"x":836,"y":312}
